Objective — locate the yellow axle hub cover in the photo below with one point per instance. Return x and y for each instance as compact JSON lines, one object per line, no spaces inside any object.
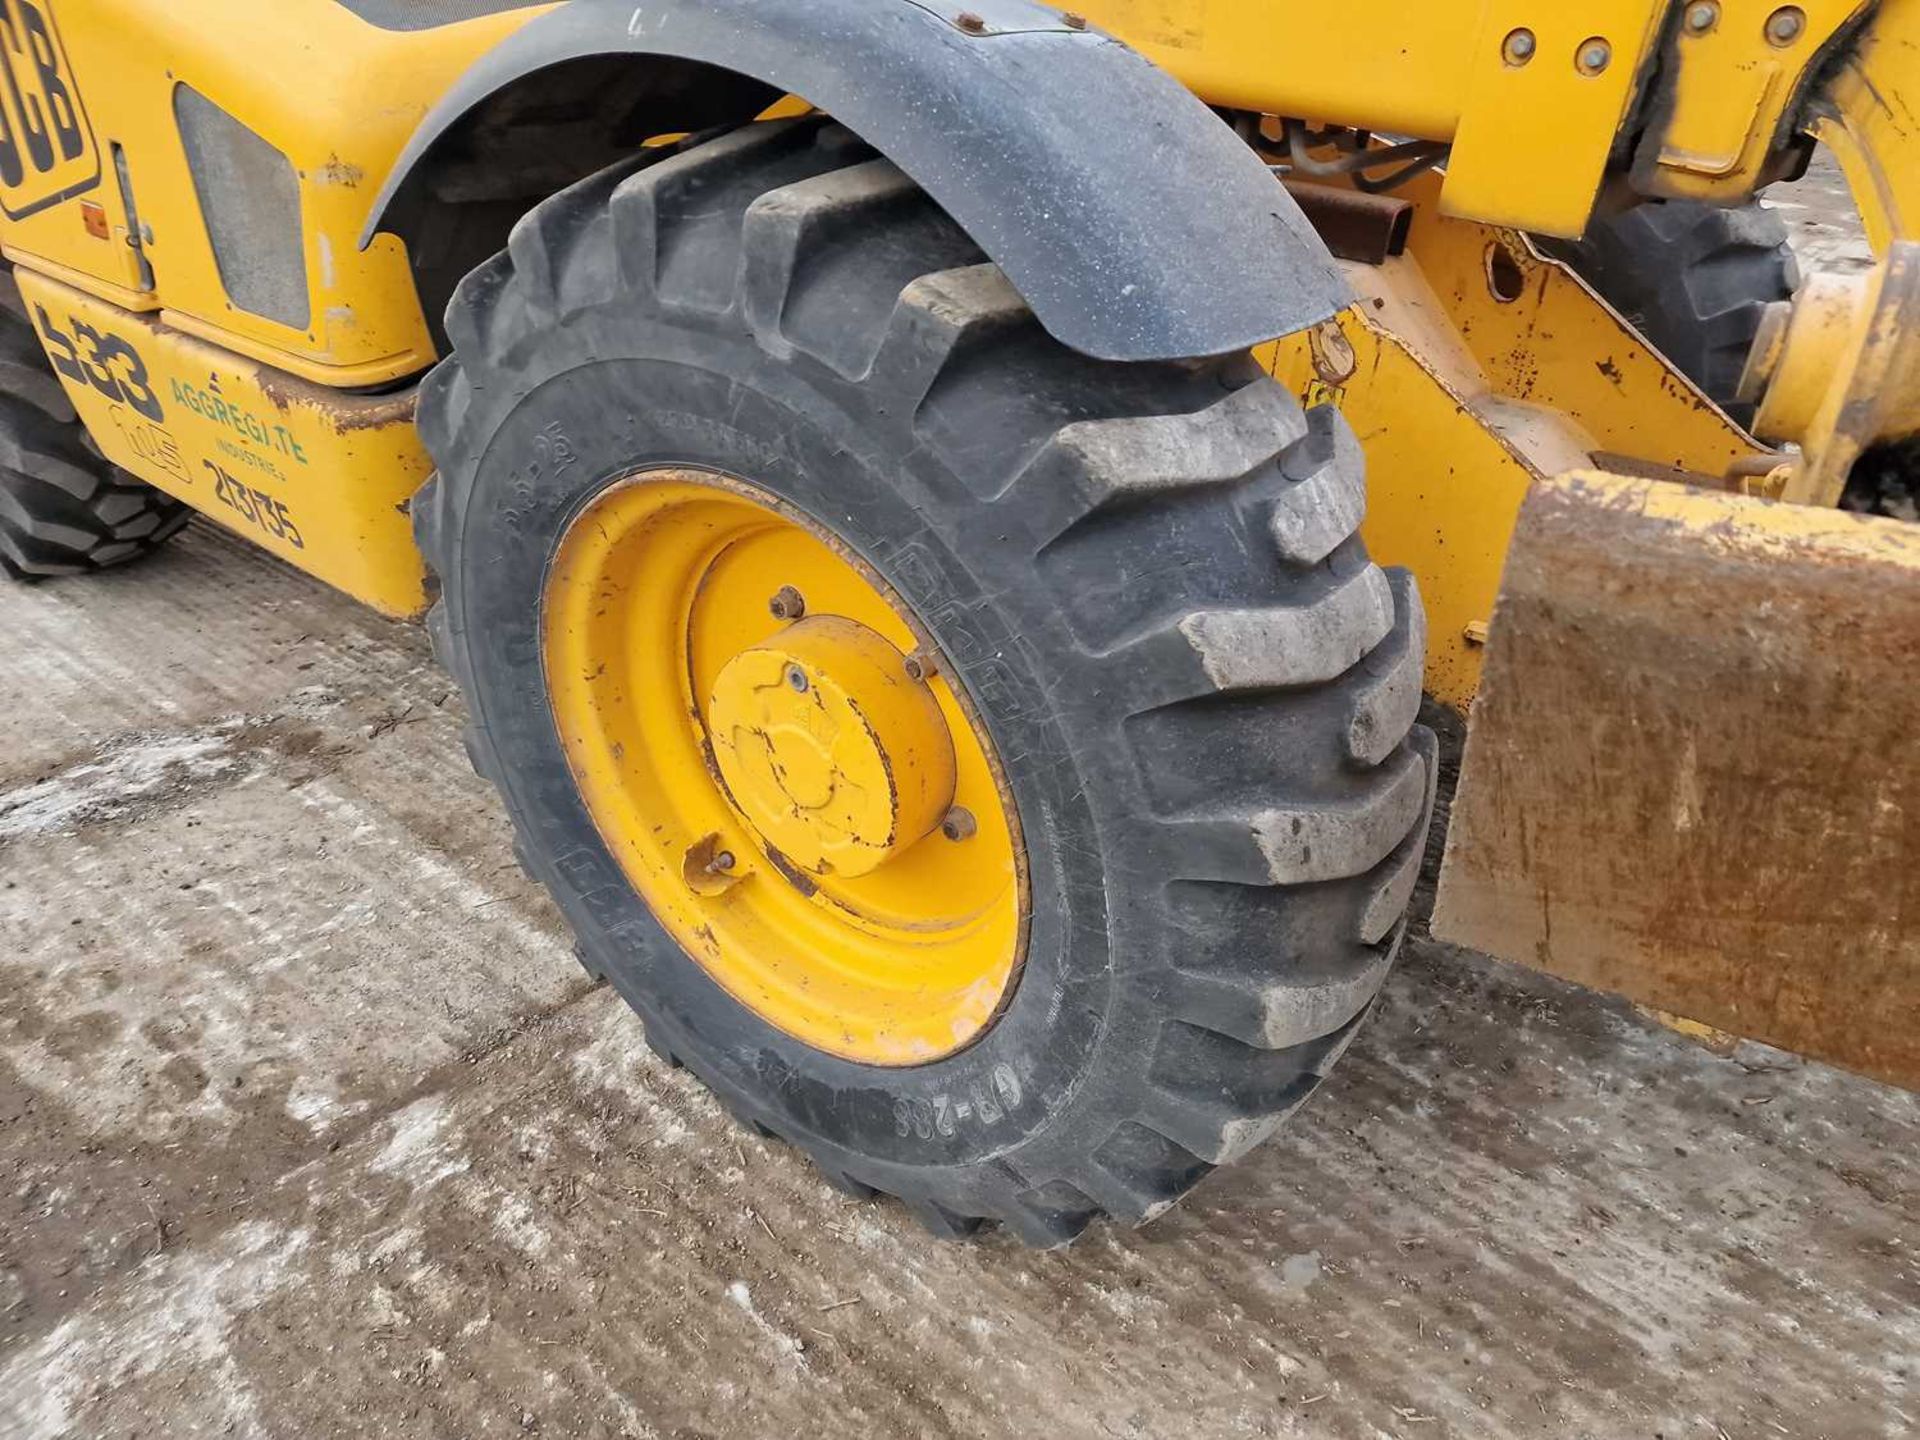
{"x":828,"y":836}
{"x":829,"y":749}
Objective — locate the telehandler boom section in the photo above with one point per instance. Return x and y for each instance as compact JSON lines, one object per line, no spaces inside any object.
{"x":888,"y":478}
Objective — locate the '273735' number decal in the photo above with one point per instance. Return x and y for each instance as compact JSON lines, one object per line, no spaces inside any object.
{"x":257,"y":506}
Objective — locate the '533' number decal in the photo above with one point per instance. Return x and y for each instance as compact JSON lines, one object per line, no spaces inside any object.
{"x":108,"y":363}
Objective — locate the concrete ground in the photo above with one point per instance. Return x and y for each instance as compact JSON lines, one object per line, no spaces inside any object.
{"x":1821,"y":218}
{"x":311,"y":1126}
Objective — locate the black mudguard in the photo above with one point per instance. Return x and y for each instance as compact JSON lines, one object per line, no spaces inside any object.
{"x":1134,"y":222}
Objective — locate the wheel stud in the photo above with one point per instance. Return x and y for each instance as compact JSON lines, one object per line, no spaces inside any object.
{"x":787,"y":603}
{"x":797,"y":679}
{"x":959,"y":824}
{"x":921,"y":666}
{"x":707,"y":869}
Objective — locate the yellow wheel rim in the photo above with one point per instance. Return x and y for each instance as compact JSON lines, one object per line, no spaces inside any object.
{"x":781,"y":764}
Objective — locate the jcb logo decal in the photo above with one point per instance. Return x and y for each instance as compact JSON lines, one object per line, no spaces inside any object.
{"x":47,"y":152}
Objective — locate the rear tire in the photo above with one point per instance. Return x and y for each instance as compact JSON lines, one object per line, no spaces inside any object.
{"x":1886,"y":481}
{"x":1201,"y":691}
{"x":64,"y":508}
{"x":1695,"y":280}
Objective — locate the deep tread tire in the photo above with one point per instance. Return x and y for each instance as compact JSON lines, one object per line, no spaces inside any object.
{"x":64,"y":508}
{"x":1202,"y":691}
{"x":1695,"y":280}
{"x":1886,"y":481}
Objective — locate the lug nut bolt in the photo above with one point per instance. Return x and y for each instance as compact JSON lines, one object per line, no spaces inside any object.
{"x":787,"y":603}
{"x":959,"y":824}
{"x":721,"y":863}
{"x":1595,"y":56}
{"x":921,"y":666}
{"x":1519,"y":47}
{"x":796,"y":679}
{"x":1785,"y":24}
{"x":970,"y":22}
{"x":1702,"y":18}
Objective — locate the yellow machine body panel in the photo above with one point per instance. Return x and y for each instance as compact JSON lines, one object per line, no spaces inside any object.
{"x":1545,"y":103}
{"x":1869,"y":123}
{"x":1736,"y":78}
{"x":302,"y":93}
{"x":320,"y":478}
{"x":1532,"y":97}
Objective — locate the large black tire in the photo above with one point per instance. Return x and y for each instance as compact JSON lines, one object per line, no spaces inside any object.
{"x":64,"y":508}
{"x":1202,"y":691}
{"x":1695,"y":280}
{"x":1886,"y":481}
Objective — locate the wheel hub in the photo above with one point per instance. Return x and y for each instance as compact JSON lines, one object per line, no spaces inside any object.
{"x":829,"y":750}
{"x":785,"y":770}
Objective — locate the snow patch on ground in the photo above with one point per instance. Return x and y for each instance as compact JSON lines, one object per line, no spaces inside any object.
{"x":788,"y":1348}
{"x":420,"y":1152}
{"x":314,"y":1103}
{"x":513,"y":1221}
{"x":126,"y":770}
{"x":176,"y":1314}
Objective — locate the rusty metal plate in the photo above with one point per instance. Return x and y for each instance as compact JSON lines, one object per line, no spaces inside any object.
{"x":1693,"y":776}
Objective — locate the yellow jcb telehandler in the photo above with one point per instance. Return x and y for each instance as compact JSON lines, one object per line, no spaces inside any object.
{"x":888,"y":477}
